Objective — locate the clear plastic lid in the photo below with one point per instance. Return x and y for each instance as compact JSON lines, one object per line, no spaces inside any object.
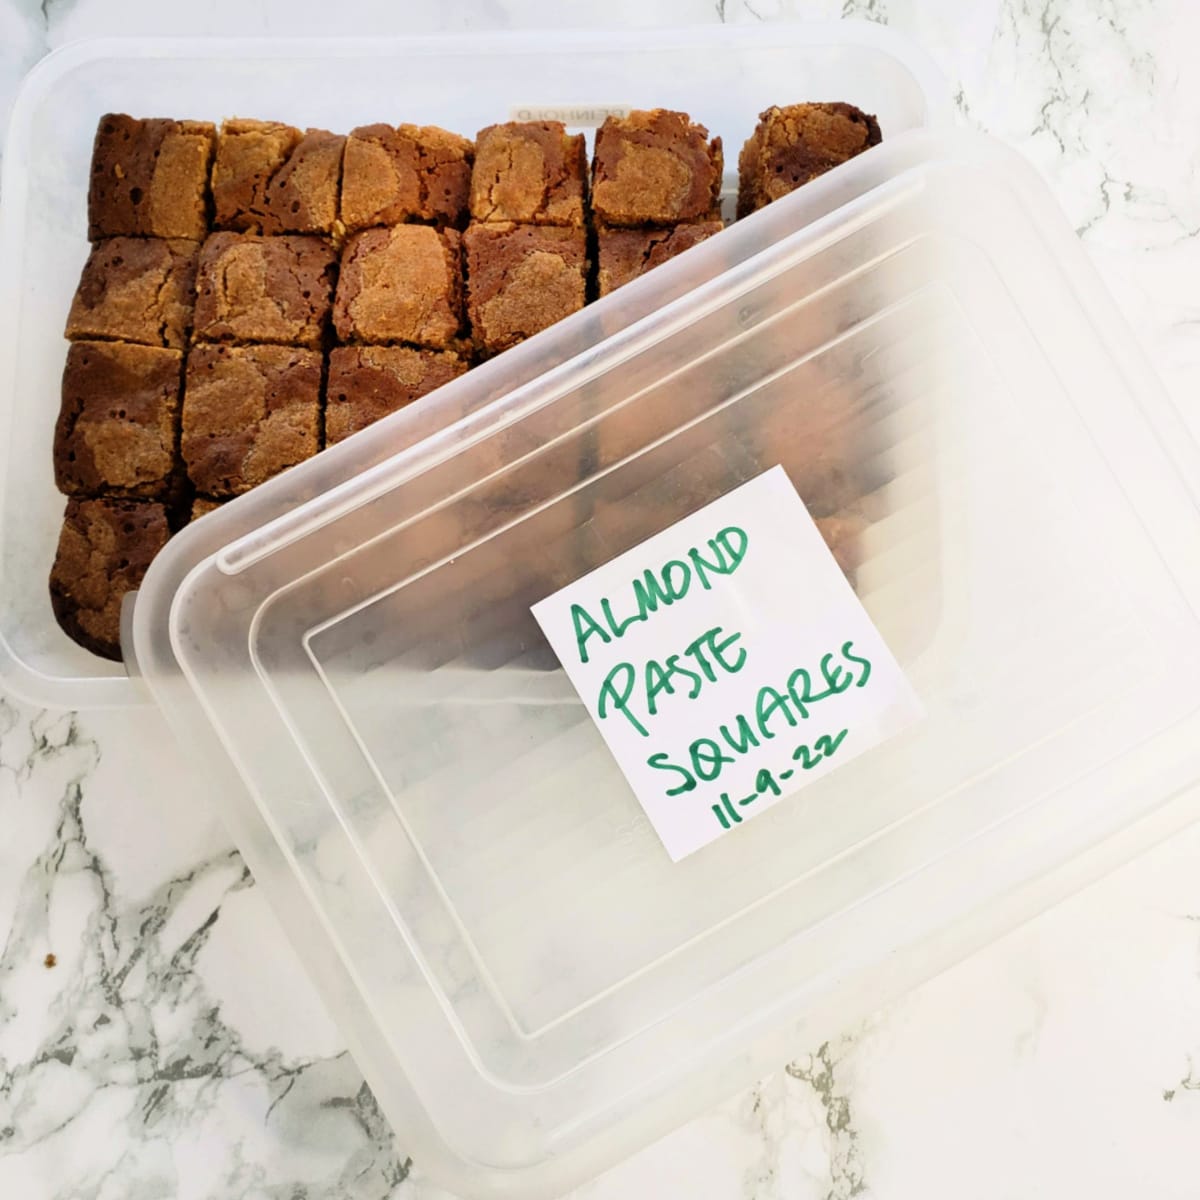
{"x":531,"y":986}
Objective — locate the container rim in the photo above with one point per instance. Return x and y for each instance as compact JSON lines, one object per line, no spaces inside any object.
{"x":940,"y":109}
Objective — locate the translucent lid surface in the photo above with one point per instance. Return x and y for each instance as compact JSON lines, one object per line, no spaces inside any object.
{"x":524,"y":974}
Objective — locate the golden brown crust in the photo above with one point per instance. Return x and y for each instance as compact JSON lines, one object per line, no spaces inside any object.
{"x":150,"y":178}
{"x":521,"y":279}
{"x":104,"y":551}
{"x":249,"y":412}
{"x":405,"y":173}
{"x":655,"y":167}
{"x":402,"y":284}
{"x":202,"y":506}
{"x":530,"y":171}
{"x":264,"y":289}
{"x":271,"y":178}
{"x":794,"y":144}
{"x":627,"y":253}
{"x":368,"y":382}
{"x":136,"y":290}
{"x":119,"y":421}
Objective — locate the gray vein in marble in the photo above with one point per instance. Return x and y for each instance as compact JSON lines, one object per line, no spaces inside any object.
{"x":1190,"y":1080}
{"x":820,"y":1072}
{"x":1071,"y":43}
{"x":866,"y":10}
{"x":1047,"y":25}
{"x":1189,"y":1083}
{"x":763,"y":1115}
{"x":113,"y":1020}
{"x":8,"y":720}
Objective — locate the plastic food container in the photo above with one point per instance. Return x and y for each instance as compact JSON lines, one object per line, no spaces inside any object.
{"x":530,"y":985}
{"x":723,"y":76}
{"x":532,"y":988}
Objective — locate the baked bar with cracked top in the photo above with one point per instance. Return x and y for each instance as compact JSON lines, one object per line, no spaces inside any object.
{"x":530,"y":171}
{"x":251,"y":288}
{"x":627,"y":253}
{"x":136,"y":290}
{"x":794,"y":144}
{"x":104,"y":550}
{"x":118,"y":425}
{"x":655,"y":167}
{"x":249,"y":412}
{"x":369,"y":382}
{"x":401,"y":284}
{"x":268,"y":177}
{"x":405,"y":173}
{"x":521,"y":279}
{"x":150,"y":178}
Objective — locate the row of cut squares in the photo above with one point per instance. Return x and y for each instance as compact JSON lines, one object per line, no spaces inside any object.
{"x":398,"y":284}
{"x":179,"y":179}
{"x":238,"y":414}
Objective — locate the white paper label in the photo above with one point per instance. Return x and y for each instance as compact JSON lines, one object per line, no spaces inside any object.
{"x":579,"y":116}
{"x":727,"y":662}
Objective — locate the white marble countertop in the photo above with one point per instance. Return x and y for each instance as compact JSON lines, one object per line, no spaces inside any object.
{"x":174,"y":1049}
